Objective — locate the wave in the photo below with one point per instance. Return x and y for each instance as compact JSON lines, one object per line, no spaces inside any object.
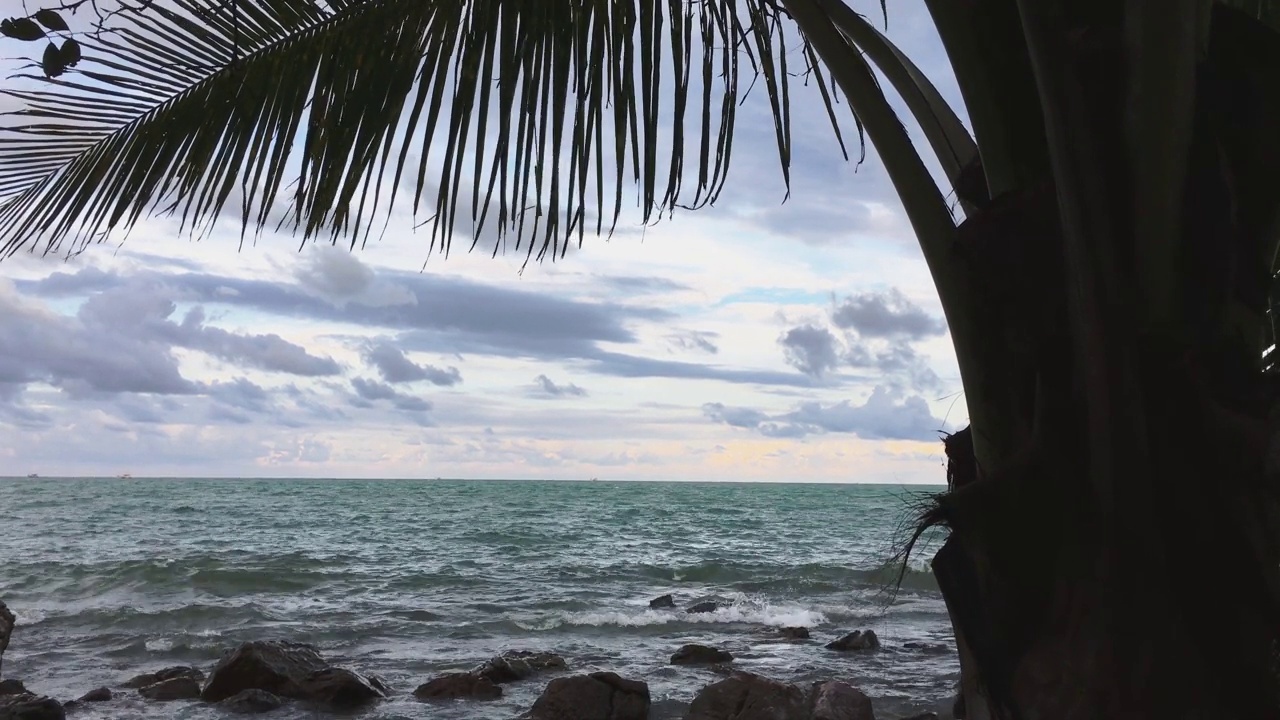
{"x":741,"y":611}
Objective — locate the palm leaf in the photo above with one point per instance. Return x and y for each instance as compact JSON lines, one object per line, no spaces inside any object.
{"x":317,"y":104}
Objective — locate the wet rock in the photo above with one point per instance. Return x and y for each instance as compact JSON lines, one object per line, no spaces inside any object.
{"x":251,"y":702}
{"x":458,"y":685}
{"x":706,"y":606}
{"x":7,"y":621}
{"x":662,"y":601}
{"x":175,"y":688}
{"x":794,"y":633}
{"x":145,"y":679}
{"x":694,"y":654}
{"x":340,"y":688}
{"x":289,"y":670}
{"x":925,"y":647}
{"x":746,"y":696}
{"x":26,"y":706}
{"x":12,"y":686}
{"x":835,"y":700}
{"x":924,"y":716}
{"x":598,"y":696}
{"x":516,"y":665}
{"x":856,"y":640}
{"x":101,"y":694}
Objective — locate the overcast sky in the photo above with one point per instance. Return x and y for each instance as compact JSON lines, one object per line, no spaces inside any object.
{"x":756,"y":340}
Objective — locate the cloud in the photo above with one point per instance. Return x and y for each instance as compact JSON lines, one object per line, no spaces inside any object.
{"x":888,"y":314}
{"x":811,"y":349}
{"x":267,"y":352}
{"x":547,"y":388}
{"x":886,"y":415}
{"x":370,"y":391}
{"x":391,"y":363}
{"x":697,"y":340}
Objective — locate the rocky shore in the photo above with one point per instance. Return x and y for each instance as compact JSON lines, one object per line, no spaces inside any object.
{"x":261,"y":676}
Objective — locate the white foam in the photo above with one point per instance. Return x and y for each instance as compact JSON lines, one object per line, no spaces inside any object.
{"x":741,"y":611}
{"x":159,"y":645}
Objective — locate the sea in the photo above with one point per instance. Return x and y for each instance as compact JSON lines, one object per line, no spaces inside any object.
{"x":407,"y":579}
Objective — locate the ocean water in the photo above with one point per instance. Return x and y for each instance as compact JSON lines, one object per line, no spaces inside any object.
{"x":406,"y":579}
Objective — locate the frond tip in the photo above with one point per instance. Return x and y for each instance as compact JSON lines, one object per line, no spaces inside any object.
{"x":539,"y":112}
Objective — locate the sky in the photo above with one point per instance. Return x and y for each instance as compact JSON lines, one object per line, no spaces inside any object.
{"x":757,"y":340}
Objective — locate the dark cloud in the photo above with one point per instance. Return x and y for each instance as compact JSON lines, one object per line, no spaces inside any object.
{"x":394,"y":367}
{"x":621,"y":365}
{"x":547,"y":388}
{"x":370,"y":391}
{"x":886,"y":415}
{"x":698,"y":340}
{"x":266,"y":352}
{"x":811,"y":349}
{"x":888,"y":314}
{"x":895,"y":359}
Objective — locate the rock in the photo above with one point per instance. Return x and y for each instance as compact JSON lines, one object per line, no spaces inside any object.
{"x":458,"y":685}
{"x":101,"y":694}
{"x":12,"y":687}
{"x":598,"y":696}
{"x":794,"y":633}
{"x":7,"y":621}
{"x":706,"y":606}
{"x":924,"y":716}
{"x":856,"y":640}
{"x":251,"y":702}
{"x":289,"y":670}
{"x":746,"y":696}
{"x":518,"y":664}
{"x":663,"y":601}
{"x":341,"y":688}
{"x":835,"y":700}
{"x":175,"y":688}
{"x":694,"y":654}
{"x":26,"y":706}
{"x":141,"y":681}
{"x":926,"y":647}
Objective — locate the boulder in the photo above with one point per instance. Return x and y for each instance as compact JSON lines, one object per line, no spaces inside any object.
{"x":706,"y":606}
{"x":175,"y":688}
{"x":7,"y":621}
{"x":662,"y":601}
{"x":12,"y":686}
{"x":341,"y":688}
{"x":598,"y":696}
{"x":289,"y":670}
{"x":794,"y":633}
{"x":746,"y":696}
{"x":835,"y":700}
{"x":694,"y":654}
{"x":856,"y":640}
{"x":251,"y":702}
{"x":458,"y":685}
{"x":101,"y":694}
{"x":26,"y":706}
{"x":145,"y":679}
{"x":516,"y":665}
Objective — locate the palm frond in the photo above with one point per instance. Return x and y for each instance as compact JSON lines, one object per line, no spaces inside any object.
{"x":529,"y":108}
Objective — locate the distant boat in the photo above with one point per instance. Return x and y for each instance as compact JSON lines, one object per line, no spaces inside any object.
{"x":595,"y":479}
{"x":32,"y":476}
{"x":124,"y":476}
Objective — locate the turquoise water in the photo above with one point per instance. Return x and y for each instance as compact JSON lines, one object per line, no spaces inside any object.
{"x":406,"y":579}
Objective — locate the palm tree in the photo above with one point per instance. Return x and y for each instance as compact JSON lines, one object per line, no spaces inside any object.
{"x":1107,"y":289}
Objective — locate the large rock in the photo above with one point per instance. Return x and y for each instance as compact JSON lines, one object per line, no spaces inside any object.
{"x":7,"y":621}
{"x":12,"y":686}
{"x":145,"y":679}
{"x":598,"y":696}
{"x":290,"y":670}
{"x":458,"y":685}
{"x":101,"y":694}
{"x":26,"y":706}
{"x":835,"y":700}
{"x":251,"y":702}
{"x":175,"y":688}
{"x":794,"y":633}
{"x":694,"y":654}
{"x":746,"y":696}
{"x":516,"y":665}
{"x":662,"y":601}
{"x":706,"y":606}
{"x":856,"y":640}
